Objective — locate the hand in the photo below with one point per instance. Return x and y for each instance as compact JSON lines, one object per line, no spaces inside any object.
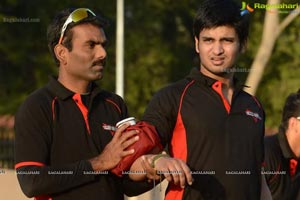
{"x":115,"y":150}
{"x":175,"y":170}
{"x":151,"y":173}
{"x":141,"y":169}
{"x":142,"y":165}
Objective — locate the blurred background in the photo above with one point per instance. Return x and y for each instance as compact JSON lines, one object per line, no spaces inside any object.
{"x":158,"y":50}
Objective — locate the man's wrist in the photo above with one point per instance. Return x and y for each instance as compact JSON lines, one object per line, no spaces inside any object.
{"x":157,"y":157}
{"x":96,"y":164}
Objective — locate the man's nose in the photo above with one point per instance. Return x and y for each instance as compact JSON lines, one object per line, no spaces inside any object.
{"x":100,"y":51}
{"x":218,"y":48}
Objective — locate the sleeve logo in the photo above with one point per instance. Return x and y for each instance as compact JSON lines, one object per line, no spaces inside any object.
{"x":254,"y":115}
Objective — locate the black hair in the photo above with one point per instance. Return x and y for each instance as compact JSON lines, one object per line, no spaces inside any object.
{"x":291,"y":109}
{"x":54,"y":29}
{"x":214,"y":13}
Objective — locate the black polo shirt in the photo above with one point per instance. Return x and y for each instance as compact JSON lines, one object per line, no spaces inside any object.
{"x":283,"y":177}
{"x":221,"y":143}
{"x":57,"y":132}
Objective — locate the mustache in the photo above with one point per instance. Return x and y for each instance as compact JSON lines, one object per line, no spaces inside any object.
{"x":100,"y":62}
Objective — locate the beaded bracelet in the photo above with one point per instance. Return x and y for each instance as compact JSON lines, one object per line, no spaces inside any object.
{"x":157,"y":157}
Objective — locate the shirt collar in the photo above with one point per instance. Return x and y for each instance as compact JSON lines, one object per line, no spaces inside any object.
{"x":198,"y":76}
{"x":285,"y":147}
{"x":63,"y":93}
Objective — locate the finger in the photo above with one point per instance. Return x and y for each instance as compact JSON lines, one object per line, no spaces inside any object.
{"x":167,"y":175}
{"x":174,"y":174}
{"x":129,"y":142}
{"x":128,"y":134}
{"x":146,"y":165}
{"x":120,"y":130}
{"x":127,"y":152}
{"x":181,"y":175}
{"x":187,"y":173}
{"x":155,"y":172}
{"x":150,"y":172}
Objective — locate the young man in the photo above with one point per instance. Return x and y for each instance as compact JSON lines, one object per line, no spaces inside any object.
{"x":206,"y":120}
{"x":64,"y":146}
{"x":282,"y":153}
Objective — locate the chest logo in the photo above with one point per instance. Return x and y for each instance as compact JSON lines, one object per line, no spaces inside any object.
{"x":254,"y":115}
{"x":108,"y":127}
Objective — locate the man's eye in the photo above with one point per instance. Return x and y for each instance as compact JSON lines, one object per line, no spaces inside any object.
{"x":229,"y":40}
{"x":91,"y":45}
{"x":208,"y":40}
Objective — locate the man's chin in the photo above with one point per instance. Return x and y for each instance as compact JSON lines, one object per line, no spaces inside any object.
{"x":96,"y":77}
{"x":223,"y":70}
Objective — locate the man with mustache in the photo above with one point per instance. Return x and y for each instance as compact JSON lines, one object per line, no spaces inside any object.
{"x":282,"y":153}
{"x":64,"y":142}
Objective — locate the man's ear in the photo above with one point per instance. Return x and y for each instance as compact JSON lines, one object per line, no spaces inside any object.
{"x":292,"y":122}
{"x":60,"y":53}
{"x":196,"y":44}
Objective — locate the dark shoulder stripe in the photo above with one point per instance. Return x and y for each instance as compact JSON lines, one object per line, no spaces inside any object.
{"x":259,"y":105}
{"x":53,"y":107}
{"x":114,"y":104}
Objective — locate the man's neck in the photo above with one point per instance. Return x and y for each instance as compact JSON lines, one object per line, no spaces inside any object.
{"x":225,"y":78}
{"x":79,"y":87}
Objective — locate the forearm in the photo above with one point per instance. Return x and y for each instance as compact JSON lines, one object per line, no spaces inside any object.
{"x":137,"y":171}
{"x":47,"y":180}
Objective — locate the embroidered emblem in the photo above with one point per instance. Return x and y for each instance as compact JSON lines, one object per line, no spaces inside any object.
{"x":108,"y":127}
{"x":254,"y":115}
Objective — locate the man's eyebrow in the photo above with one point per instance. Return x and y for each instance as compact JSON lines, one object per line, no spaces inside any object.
{"x":222,"y":38}
{"x":206,"y":37}
{"x":96,"y":41}
{"x":93,"y":41}
{"x":228,"y":38}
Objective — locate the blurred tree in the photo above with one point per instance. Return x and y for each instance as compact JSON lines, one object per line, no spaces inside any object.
{"x":271,"y":31}
{"x":275,"y":70}
{"x":24,"y":57}
{"x":281,"y":75}
{"x":158,"y":47}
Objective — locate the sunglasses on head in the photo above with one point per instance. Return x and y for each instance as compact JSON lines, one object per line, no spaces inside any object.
{"x":75,"y":16}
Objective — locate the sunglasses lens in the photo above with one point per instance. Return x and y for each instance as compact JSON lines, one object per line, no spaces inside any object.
{"x":79,"y":15}
{"x":75,"y":16}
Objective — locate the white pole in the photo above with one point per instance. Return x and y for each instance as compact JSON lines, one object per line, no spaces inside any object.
{"x":120,"y":49}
